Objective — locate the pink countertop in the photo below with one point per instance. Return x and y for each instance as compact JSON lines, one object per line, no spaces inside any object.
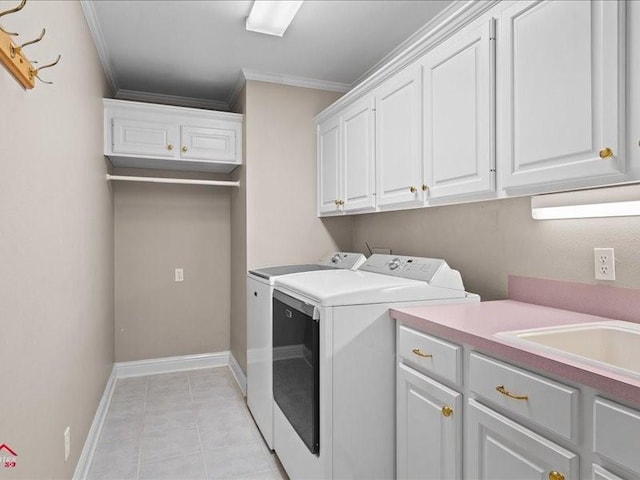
{"x":476,"y":324}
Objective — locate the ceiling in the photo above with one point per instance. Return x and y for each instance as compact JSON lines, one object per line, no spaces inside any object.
{"x":194,"y":52}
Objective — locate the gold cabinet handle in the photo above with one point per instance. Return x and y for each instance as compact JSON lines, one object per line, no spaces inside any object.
{"x":185,"y":149}
{"x":606,"y":153}
{"x":447,"y":411}
{"x":412,"y":189}
{"x":337,"y":202}
{"x":507,"y":393}
{"x":169,"y":147}
{"x":420,"y":353}
{"x":340,"y":202}
{"x":425,"y":188}
{"x":553,"y":475}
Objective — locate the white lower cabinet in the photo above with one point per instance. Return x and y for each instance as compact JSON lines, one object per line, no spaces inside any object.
{"x":599,"y":473}
{"x":518,"y":424}
{"x":429,"y":423}
{"x":501,"y":449}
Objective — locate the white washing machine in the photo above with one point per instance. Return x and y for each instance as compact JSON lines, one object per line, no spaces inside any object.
{"x":334,"y":362}
{"x":259,"y":336}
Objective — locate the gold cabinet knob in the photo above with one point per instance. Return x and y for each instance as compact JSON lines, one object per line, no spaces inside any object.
{"x":420,"y":353}
{"x":447,"y":411}
{"x":185,"y":149}
{"x":606,"y":153}
{"x":425,"y":188}
{"x":169,"y":147}
{"x":553,"y":475}
{"x":340,"y":202}
{"x":412,"y":189}
{"x":337,"y":202}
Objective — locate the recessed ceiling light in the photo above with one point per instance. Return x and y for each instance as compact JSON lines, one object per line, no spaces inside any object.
{"x":272,"y":17}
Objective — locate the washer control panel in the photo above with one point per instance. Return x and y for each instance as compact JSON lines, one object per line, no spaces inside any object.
{"x":346,"y":260}
{"x":416,"y":268}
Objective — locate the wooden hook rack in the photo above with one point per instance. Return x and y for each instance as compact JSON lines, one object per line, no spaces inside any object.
{"x":12,"y":55}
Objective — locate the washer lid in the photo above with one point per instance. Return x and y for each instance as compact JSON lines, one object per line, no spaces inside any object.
{"x":342,"y":287}
{"x":271,"y":272}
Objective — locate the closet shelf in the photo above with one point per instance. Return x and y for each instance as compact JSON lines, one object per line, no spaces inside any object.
{"x":183,"y":181}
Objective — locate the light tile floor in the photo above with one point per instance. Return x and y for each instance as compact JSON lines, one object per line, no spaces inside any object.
{"x":181,"y":426}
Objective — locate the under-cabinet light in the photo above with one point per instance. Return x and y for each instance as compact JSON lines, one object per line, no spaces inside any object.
{"x":622,"y":201}
{"x":272,"y":17}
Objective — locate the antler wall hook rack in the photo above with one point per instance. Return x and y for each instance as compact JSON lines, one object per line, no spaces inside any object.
{"x":13,"y":57}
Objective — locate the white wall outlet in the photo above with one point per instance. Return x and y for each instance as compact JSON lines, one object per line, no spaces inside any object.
{"x":179,"y":275}
{"x":605,"y":263}
{"x":67,"y":443}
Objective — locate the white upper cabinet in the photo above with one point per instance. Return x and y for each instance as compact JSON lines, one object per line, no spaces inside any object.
{"x":208,"y":143}
{"x":358,"y":167}
{"x":560,"y":90}
{"x":329,"y":166}
{"x":140,"y":137}
{"x":458,"y":104}
{"x":399,"y":139}
{"x":143,"y":135}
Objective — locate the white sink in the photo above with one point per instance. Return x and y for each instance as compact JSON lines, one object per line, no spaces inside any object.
{"x":613,"y":345}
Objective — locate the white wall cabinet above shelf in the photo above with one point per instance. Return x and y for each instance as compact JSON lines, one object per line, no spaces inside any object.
{"x":142,"y":135}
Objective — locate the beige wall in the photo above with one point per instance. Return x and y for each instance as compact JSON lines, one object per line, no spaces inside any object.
{"x":280,"y":178}
{"x":56,"y":246}
{"x":238,"y":331}
{"x":487,"y":241}
{"x":159,"y":228}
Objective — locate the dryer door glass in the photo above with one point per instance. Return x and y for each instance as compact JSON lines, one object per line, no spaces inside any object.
{"x":296,"y":372}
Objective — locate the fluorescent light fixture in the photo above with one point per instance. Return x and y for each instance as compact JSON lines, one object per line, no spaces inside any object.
{"x":272,"y":17}
{"x":622,"y":201}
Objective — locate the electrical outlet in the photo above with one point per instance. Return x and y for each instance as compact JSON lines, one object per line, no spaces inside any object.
{"x":67,"y":443}
{"x":604,"y":263}
{"x":179,"y":275}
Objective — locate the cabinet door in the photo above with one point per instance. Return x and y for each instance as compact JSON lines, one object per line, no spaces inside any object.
{"x":429,"y":435}
{"x":259,"y":356}
{"x":329,"y":166}
{"x":599,"y":473}
{"x":142,"y":137}
{"x":358,"y":167}
{"x":559,"y":101}
{"x":205,"y":143}
{"x":501,"y":449}
{"x":458,"y":104}
{"x":398,"y":138}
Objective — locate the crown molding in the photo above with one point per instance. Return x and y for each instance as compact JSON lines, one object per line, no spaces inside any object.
{"x":171,"y":100}
{"x":442,"y":26}
{"x":96,"y":33}
{"x":295,"y":81}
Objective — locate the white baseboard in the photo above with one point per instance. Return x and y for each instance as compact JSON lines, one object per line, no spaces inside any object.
{"x":238,"y":374}
{"x":150,"y":367}
{"x":86,"y":457}
{"x":154,"y":366}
